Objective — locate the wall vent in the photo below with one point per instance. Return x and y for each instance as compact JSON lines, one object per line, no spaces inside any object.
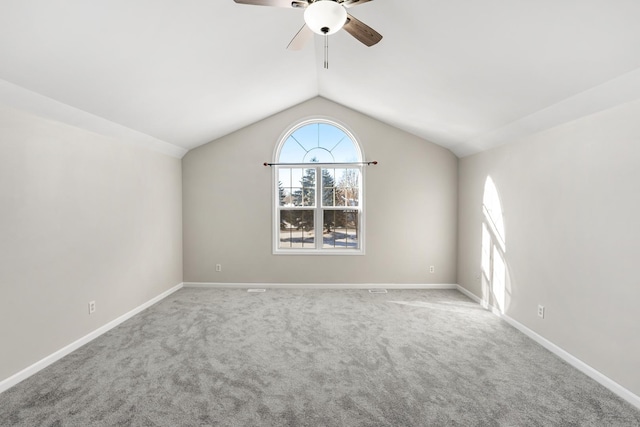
{"x":377,"y":291}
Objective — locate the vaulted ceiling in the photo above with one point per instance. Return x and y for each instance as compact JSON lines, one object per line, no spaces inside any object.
{"x":467,"y":75}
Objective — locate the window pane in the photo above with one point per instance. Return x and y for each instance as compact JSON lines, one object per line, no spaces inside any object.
{"x":329,"y":196}
{"x":301,"y":188}
{"x":308,"y":197}
{"x":295,"y":198}
{"x":348,"y":185}
{"x":296,"y":177}
{"x":284,"y":177}
{"x":286,"y":196}
{"x":284,"y":187}
{"x":296,"y":229}
{"x":340,"y":229}
{"x":292,"y":151}
{"x":328,"y":187}
{"x":318,"y":155}
{"x":306,"y":194}
{"x":318,"y":142}
{"x":340,"y":187}
{"x":350,"y":196}
{"x":308,"y":180}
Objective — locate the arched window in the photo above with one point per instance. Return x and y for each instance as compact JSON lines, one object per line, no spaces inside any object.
{"x":318,"y":182}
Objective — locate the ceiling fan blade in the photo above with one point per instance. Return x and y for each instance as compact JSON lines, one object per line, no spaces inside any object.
{"x":361,"y":31}
{"x":276,"y":3}
{"x":301,"y":38}
{"x":351,"y":3}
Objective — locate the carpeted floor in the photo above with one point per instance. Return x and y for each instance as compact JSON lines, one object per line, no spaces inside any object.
{"x":313,"y":358}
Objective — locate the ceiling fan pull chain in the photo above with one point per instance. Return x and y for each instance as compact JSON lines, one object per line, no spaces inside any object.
{"x":326,"y":51}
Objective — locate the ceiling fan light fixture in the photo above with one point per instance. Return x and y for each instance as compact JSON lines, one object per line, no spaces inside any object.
{"x":325,"y":17}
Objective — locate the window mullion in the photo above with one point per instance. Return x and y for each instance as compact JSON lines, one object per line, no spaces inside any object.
{"x":318,"y":208}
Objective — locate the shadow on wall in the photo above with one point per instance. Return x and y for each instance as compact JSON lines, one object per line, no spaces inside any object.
{"x":496,"y":286}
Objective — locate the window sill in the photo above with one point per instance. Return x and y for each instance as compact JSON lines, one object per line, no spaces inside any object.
{"x":319,"y":252}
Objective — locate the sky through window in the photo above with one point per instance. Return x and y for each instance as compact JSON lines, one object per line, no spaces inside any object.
{"x":318,"y":142}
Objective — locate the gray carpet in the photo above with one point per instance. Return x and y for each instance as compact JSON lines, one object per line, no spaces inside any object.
{"x":313,"y":358}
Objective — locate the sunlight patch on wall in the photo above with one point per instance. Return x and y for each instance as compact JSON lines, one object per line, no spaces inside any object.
{"x":494,"y":267}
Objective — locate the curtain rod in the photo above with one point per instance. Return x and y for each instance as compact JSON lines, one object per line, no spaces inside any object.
{"x":321,"y":164}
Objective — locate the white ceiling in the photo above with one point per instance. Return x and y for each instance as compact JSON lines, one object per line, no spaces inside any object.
{"x":467,"y":75}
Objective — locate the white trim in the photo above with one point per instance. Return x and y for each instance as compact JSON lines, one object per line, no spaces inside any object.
{"x":469,"y":294}
{"x":321,"y":252}
{"x":54,"y":357}
{"x":562,"y":354}
{"x":576,"y":363}
{"x":321,"y":285}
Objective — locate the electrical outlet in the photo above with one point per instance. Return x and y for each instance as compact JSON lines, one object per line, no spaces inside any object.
{"x":92,"y":307}
{"x":541,"y":311}
{"x":218,"y":267}
{"x":432,"y":269}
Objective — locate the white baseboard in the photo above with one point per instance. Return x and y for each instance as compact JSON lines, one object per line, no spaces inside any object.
{"x":320,"y":285}
{"x":564,"y":355}
{"x":469,"y":294}
{"x":41,"y":364}
{"x":561,"y":353}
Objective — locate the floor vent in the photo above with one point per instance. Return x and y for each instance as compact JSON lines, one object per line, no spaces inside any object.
{"x":256,"y":290}
{"x":377,"y":291}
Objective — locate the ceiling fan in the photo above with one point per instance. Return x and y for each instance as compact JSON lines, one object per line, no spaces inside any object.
{"x":324,"y":17}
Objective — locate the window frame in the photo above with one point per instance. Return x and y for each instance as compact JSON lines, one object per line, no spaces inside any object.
{"x":318,"y":208}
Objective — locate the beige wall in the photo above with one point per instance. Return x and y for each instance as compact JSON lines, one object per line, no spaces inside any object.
{"x":410,"y":207}
{"x":571,"y":206}
{"x":81,"y":218}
